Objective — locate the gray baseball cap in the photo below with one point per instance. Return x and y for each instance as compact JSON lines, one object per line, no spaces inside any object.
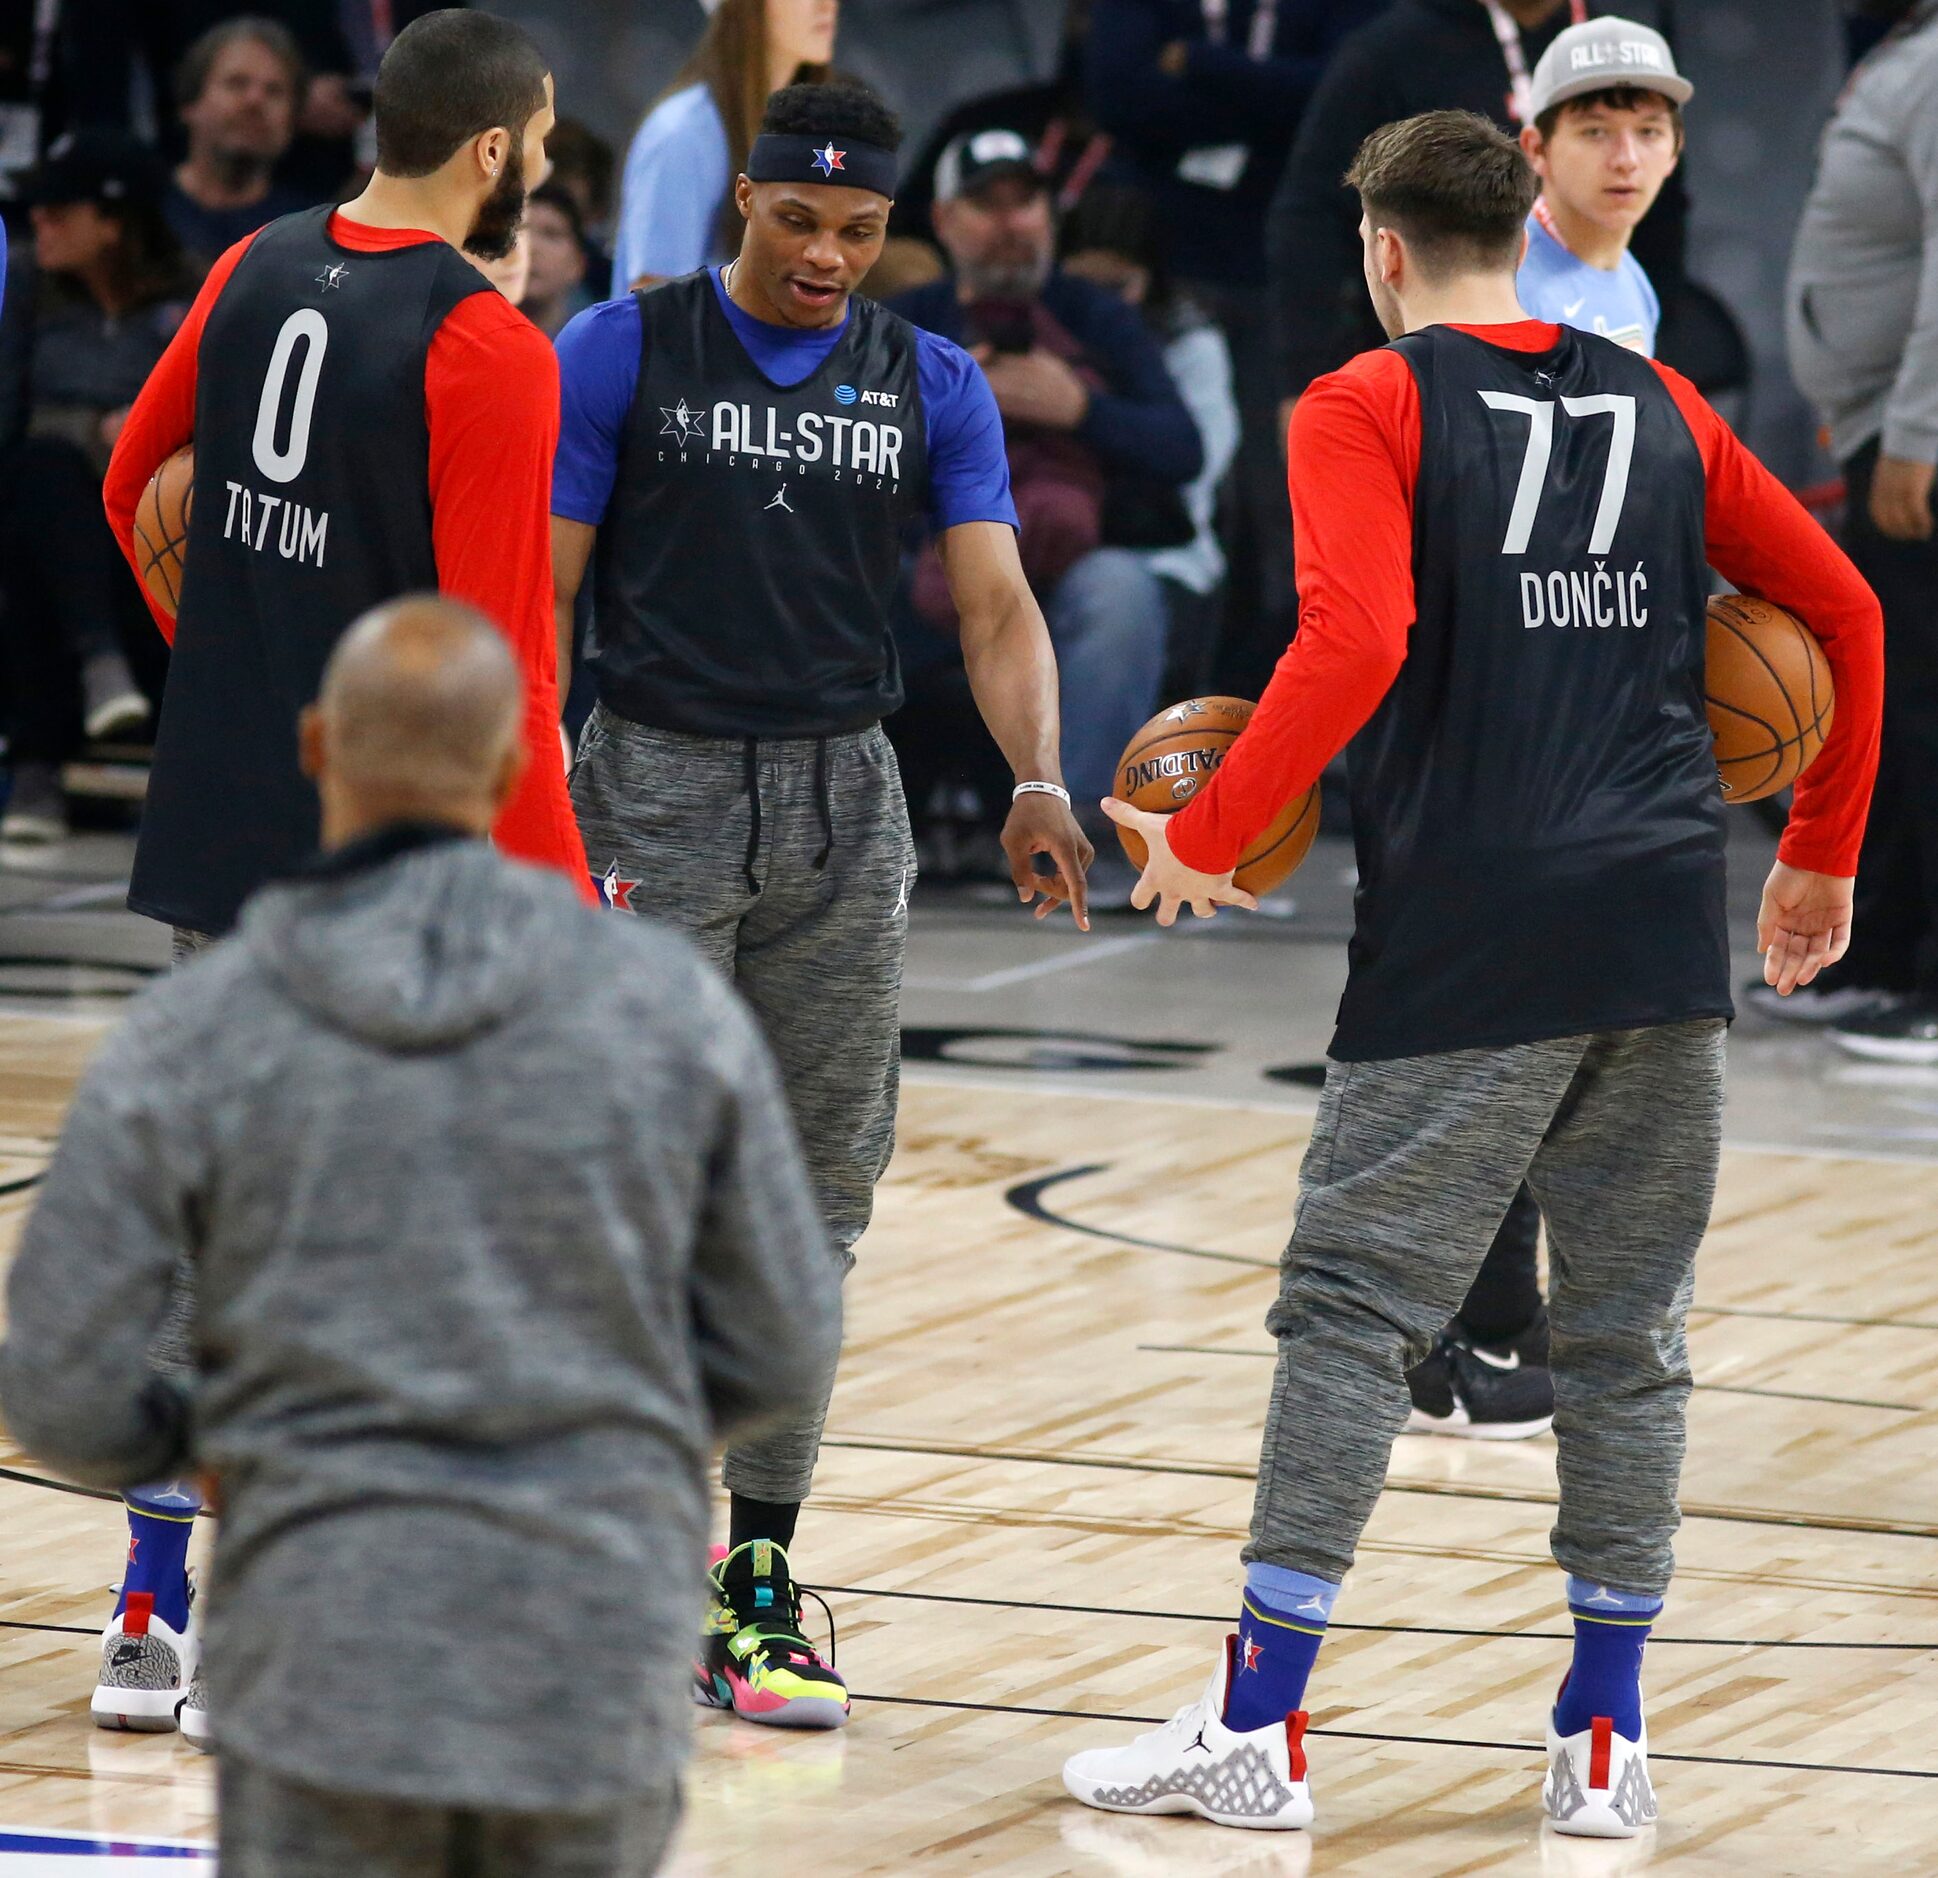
{"x":1600,"y":54}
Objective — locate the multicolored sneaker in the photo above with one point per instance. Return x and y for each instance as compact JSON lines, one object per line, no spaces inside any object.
{"x":753,"y":1657}
{"x":146,"y":1667}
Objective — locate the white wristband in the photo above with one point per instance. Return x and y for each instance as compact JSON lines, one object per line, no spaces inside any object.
{"x":1042,"y":789}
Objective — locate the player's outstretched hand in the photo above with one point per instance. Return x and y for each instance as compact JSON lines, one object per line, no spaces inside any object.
{"x":1040,"y":824}
{"x":1166,"y":879}
{"x":1804,"y":925}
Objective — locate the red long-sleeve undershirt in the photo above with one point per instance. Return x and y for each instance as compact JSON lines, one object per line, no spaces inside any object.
{"x":491,"y":400}
{"x":1354,"y":453}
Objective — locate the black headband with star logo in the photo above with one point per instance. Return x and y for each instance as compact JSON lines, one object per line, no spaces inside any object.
{"x":776,"y":159}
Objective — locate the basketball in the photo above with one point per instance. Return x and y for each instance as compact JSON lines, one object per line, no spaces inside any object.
{"x":1168,"y":761}
{"x":1769,"y":696}
{"x":161,"y":528}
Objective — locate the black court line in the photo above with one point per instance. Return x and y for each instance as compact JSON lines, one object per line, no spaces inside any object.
{"x":58,"y":1486}
{"x":1712,"y":1388}
{"x":66,"y":1630}
{"x":20,"y":1183}
{"x":1027,"y":1198}
{"x":1419,"y":1741}
{"x":1397,"y":1630}
{"x":69,"y":962}
{"x":1442,"y":1490}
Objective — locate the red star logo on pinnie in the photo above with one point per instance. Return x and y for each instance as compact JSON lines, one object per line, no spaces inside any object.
{"x":615,"y":893}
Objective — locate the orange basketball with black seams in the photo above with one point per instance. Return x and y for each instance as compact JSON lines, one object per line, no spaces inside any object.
{"x":161,"y":528}
{"x":1165,"y":765}
{"x":1769,"y":696}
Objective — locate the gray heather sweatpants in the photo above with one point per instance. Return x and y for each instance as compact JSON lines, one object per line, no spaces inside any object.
{"x":277,"y":1828}
{"x":1412,"y":1166}
{"x":816,"y":951}
{"x":174,"y":1347}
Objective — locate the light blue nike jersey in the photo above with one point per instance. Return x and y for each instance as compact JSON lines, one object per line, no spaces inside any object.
{"x":1619,"y":302}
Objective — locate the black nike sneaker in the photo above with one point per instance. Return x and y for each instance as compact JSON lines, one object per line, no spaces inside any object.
{"x":754,"y":1658}
{"x":1528,"y":1349}
{"x":1906,"y":1032}
{"x":1463,"y":1390}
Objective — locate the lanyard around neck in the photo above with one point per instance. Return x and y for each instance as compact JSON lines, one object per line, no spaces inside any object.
{"x":1265,"y":23}
{"x":1520,"y":80}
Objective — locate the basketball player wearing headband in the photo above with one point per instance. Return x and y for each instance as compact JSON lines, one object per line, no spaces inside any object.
{"x":742,"y":453}
{"x":369,"y":418}
{"x":1503,"y":527}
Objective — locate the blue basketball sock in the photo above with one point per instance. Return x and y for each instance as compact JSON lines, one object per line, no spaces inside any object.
{"x":1280,"y":1627}
{"x":160,"y":1519}
{"x":1606,"y":1676}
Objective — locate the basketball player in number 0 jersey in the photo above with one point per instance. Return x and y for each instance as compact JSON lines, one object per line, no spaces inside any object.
{"x":369,"y":418}
{"x":1503,"y":528}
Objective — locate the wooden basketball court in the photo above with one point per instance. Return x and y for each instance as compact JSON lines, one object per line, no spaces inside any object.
{"x":1038,"y":1474}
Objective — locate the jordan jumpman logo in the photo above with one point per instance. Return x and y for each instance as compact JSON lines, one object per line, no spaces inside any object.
{"x":780,"y":500}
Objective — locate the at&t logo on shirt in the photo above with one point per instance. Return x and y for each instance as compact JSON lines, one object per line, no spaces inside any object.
{"x":846,"y":394}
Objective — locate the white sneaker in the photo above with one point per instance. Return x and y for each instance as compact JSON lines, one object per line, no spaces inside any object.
{"x":192,"y":1717}
{"x":1195,"y":1764}
{"x":1598,"y":1782}
{"x":146,"y":1668}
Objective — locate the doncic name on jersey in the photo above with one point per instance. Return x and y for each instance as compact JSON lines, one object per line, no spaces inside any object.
{"x":862,"y":450}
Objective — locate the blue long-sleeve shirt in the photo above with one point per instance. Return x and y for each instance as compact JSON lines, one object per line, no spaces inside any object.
{"x":1139,"y":424}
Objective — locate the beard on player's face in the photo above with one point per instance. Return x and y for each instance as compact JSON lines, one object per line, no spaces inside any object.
{"x":494,"y":230}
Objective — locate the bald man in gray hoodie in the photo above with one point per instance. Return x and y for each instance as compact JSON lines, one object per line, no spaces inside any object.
{"x":494,"y":1207}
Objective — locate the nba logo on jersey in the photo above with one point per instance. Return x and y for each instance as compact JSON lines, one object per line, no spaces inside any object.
{"x":615,"y":892}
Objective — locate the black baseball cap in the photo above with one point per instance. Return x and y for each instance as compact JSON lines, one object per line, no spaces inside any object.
{"x":108,"y":167}
{"x":981,"y":156}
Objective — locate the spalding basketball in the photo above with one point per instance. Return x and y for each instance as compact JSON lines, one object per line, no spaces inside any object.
{"x":161,"y":528}
{"x":1769,"y":696}
{"x":1172,"y":758}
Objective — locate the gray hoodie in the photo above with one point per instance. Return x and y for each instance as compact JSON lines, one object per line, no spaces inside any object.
{"x":498,"y":1226}
{"x":1862,"y":304}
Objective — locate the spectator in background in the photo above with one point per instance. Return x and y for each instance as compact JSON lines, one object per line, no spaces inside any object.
{"x":1603,"y":153}
{"x":1113,"y":239}
{"x":676,"y":210}
{"x":108,"y":287}
{"x":554,"y":241}
{"x":236,"y":93}
{"x":1099,"y":442}
{"x":1863,"y":341}
{"x":1418,"y":55}
{"x":32,"y":105}
{"x":582,"y":166}
{"x":105,"y":43}
{"x":1205,"y":97}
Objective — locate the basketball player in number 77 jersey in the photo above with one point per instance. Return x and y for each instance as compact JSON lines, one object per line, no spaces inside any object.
{"x":1503,"y":527}
{"x":369,"y":418}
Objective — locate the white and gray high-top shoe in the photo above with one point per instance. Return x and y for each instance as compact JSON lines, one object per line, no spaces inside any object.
{"x":193,"y":1715}
{"x":1195,"y":1764}
{"x":1598,"y":1782}
{"x":146,"y":1668}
